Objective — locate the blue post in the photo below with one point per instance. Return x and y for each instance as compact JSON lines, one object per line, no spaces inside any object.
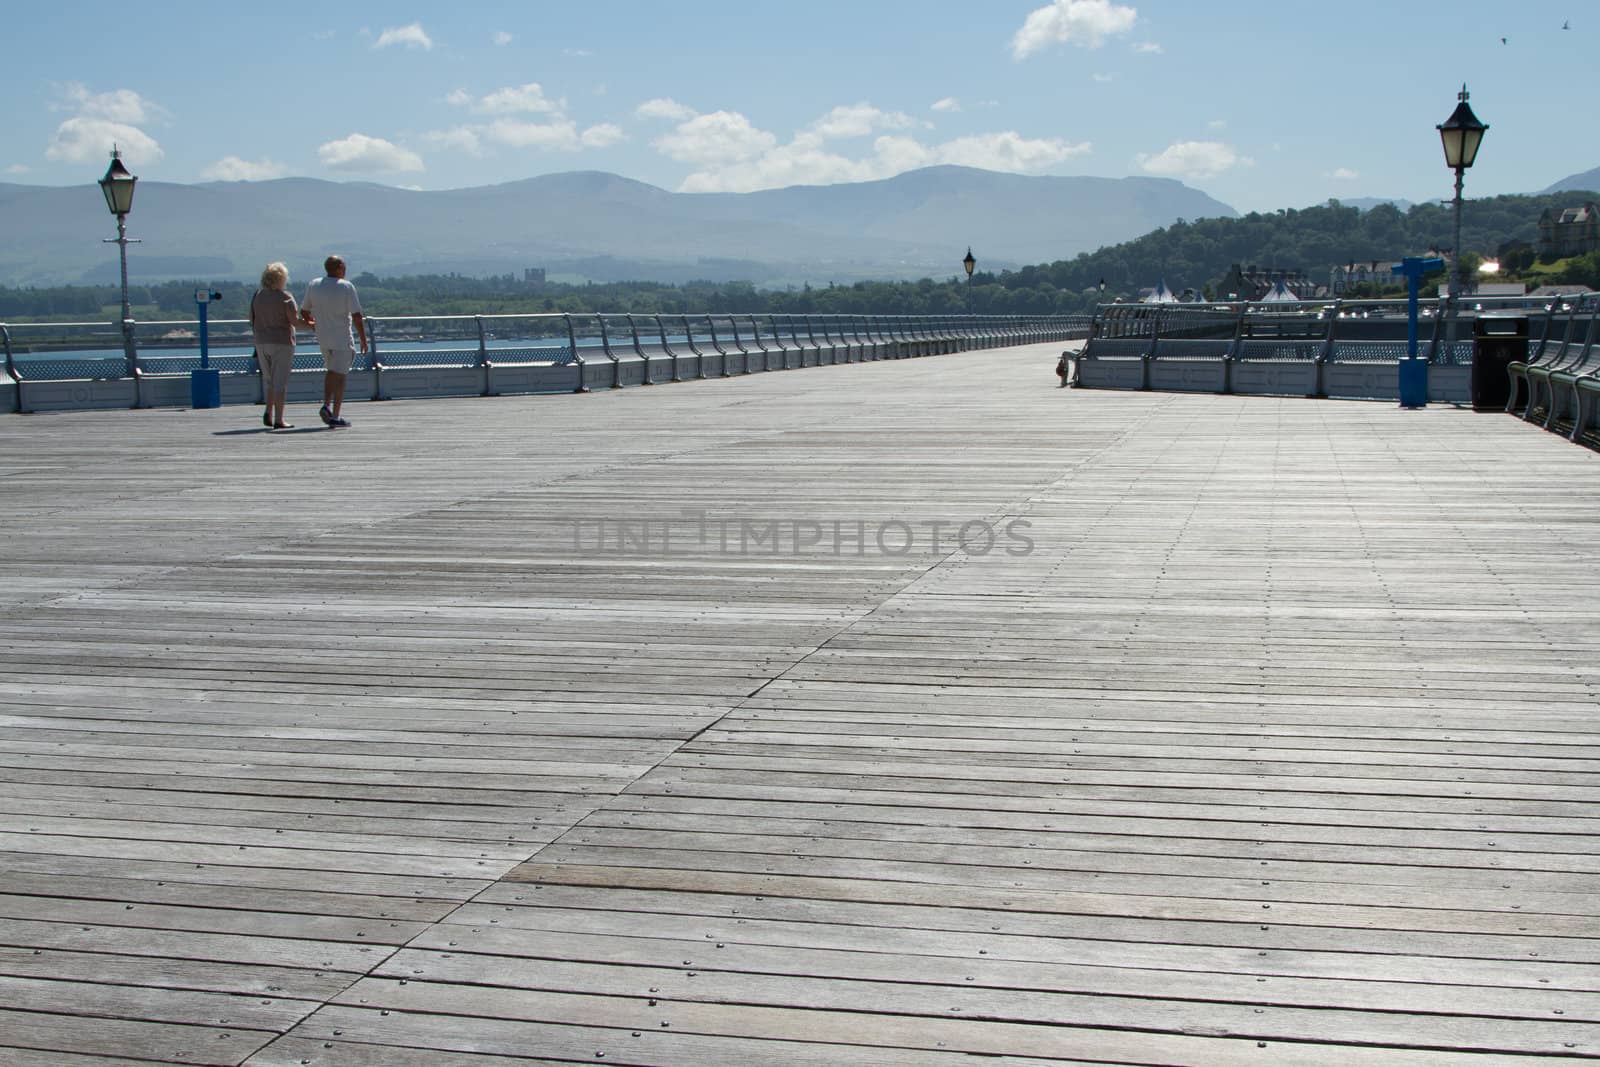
{"x":205,"y":384}
{"x":1413,"y":370}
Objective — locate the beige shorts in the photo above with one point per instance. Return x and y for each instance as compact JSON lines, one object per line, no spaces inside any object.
{"x":276,"y":361}
{"x":338,"y":360}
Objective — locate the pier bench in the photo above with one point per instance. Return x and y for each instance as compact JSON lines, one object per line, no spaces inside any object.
{"x":1568,"y":358}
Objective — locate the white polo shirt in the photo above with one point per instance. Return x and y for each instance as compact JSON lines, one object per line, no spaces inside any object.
{"x":331,"y":302}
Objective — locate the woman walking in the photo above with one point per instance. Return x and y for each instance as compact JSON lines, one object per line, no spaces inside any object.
{"x":273,"y":315}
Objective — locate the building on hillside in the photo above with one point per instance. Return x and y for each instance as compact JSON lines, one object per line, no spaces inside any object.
{"x":1572,"y":231}
{"x":1376,"y":271}
{"x":1559,"y":292}
{"x":1483,"y":289}
{"x":533,"y":276}
{"x":1253,"y":283}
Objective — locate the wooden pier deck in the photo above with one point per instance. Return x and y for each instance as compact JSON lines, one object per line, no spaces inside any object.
{"x":524,"y":731}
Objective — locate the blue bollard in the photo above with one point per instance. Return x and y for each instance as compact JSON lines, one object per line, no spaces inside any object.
{"x":1414,"y":370}
{"x":1413,"y":382}
{"x":205,"y":388}
{"x":205,"y":384}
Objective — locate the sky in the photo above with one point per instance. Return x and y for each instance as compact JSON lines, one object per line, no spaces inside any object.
{"x":1261,"y":105}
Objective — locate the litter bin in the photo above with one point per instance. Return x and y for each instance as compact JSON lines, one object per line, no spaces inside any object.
{"x":1498,"y":339}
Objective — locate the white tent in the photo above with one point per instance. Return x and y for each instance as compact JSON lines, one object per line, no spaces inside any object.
{"x":1279,"y":293}
{"x":1161,"y":295}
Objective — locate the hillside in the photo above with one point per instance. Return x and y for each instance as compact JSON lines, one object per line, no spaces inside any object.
{"x":1588,"y":181}
{"x":588,"y":224}
{"x":1193,"y":255}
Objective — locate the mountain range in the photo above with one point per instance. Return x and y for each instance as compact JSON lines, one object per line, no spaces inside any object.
{"x":589,"y":225}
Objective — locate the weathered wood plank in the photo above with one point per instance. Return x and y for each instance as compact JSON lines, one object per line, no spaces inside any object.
{"x":1276,"y":743}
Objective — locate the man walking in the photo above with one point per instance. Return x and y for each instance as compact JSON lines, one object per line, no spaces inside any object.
{"x":332,"y":308}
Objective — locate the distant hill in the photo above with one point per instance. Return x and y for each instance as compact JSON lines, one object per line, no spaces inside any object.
{"x":1588,"y":180}
{"x":588,"y":224}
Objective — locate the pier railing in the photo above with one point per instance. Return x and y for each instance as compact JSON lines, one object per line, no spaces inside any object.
{"x":1343,"y":348}
{"x":61,"y":366}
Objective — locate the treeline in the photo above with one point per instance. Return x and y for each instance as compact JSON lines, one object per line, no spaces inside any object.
{"x":1186,"y":255}
{"x":1198,"y":254}
{"x":458,"y":295}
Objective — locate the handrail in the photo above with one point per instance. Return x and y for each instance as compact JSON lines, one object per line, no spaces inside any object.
{"x":65,"y":351}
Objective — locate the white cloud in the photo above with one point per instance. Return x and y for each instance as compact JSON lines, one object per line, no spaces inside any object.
{"x":511,"y":100}
{"x":1218,"y":124}
{"x":501,"y":38}
{"x":717,"y":139}
{"x":560,"y":135}
{"x":234,"y":169}
{"x":664,"y":108}
{"x":554,"y":131}
{"x":577,"y":53}
{"x":602,"y":136}
{"x":949,"y":103}
{"x":1085,"y":23}
{"x":18,"y":168}
{"x":101,"y":121}
{"x":857,"y":120}
{"x":733,"y":156}
{"x":411,"y":36}
{"x":358,"y":152}
{"x":795,"y":163}
{"x":1009,"y":151}
{"x":90,"y":140}
{"x":1194,"y":159}
{"x":1103,"y":78}
{"x":1149,"y":48}
{"x":119,"y":105}
{"x":1345,"y":174}
{"x":460,"y":139}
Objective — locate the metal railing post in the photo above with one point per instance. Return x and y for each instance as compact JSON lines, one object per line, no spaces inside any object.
{"x":483,"y":353}
{"x":716,"y":343}
{"x":577,"y":356}
{"x":738,"y":342}
{"x":638,"y":350}
{"x":1231,"y":356}
{"x":699,"y":356}
{"x":374,"y":360}
{"x":605,"y":346}
{"x":661,"y":331}
{"x":11,"y":366}
{"x":1325,"y":355}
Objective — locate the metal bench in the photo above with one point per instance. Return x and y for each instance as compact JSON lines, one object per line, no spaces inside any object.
{"x":1550,"y":352}
{"x":1561,"y":383}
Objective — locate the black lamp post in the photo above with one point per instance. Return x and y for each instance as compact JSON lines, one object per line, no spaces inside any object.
{"x":968,"y":263}
{"x":117,"y":186}
{"x":1461,"y":133}
{"x":1102,"y":290}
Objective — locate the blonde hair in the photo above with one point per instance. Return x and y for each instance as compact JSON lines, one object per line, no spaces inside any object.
{"x":276,"y":276}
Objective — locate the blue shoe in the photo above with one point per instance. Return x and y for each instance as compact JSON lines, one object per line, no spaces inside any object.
{"x":337,"y":423}
{"x":325,"y":415}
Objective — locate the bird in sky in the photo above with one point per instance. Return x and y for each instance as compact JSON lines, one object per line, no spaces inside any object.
{"x":1502,"y":40}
